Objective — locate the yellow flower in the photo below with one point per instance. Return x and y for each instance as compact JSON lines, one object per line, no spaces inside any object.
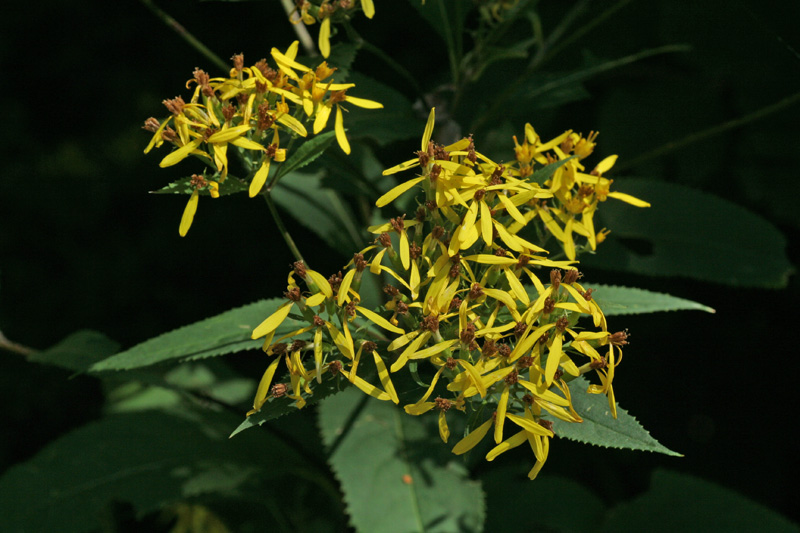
{"x":198,"y":183}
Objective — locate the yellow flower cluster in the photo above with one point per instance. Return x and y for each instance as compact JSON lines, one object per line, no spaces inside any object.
{"x":308,"y":13}
{"x":457,"y":306}
{"x":248,"y":110}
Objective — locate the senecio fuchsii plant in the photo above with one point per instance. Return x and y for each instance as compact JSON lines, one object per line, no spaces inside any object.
{"x":463,"y":301}
{"x":442,"y":321}
{"x":502,"y":323}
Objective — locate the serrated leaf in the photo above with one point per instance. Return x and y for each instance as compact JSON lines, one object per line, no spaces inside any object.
{"x":618,"y":300}
{"x":600,"y":428}
{"x":226,"y":333}
{"x":342,"y":57}
{"x":308,"y":152}
{"x":149,"y":459}
{"x":78,"y":351}
{"x":376,"y":449}
{"x":691,"y":234}
{"x":680,"y":502}
{"x":232,"y":185}
{"x":321,"y":210}
{"x":277,"y":407}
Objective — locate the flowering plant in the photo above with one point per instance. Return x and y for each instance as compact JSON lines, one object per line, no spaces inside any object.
{"x":428,"y":308}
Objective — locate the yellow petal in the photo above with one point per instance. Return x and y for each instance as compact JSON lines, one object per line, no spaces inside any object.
{"x":475,"y":377}
{"x":228,"y":134}
{"x":363,"y":102}
{"x":368,"y":7}
{"x":180,"y":154}
{"x":315,"y":300}
{"x":273,"y":321}
{"x":397,"y":191}
{"x":264,"y":384}
{"x":340,"y":135}
{"x":472,"y":439}
{"x":260,"y":178}
{"x":530,"y":426}
{"x":344,"y":287}
{"x":628,"y":199}
{"x":293,"y":124}
{"x":188,"y":214}
{"x":405,"y":165}
{"x":369,"y":388}
{"x":444,"y":431}
{"x":378,"y":320}
{"x":509,"y":443}
{"x":426,"y":136}
{"x":383,"y":374}
{"x":321,"y":283}
{"x":553,"y":359}
{"x":318,"y":353}
{"x":404,"y":251}
{"x":501,"y":415}
{"x":247,"y":144}
{"x":321,"y":120}
{"x":325,"y":37}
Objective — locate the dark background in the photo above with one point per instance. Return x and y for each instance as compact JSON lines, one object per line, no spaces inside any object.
{"x":83,"y":245}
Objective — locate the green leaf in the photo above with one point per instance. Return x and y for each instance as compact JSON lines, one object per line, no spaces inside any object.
{"x":78,"y":351}
{"x":342,"y":57}
{"x":617,"y":300}
{"x":680,"y":502}
{"x":689,"y":233}
{"x":547,"y":171}
{"x":600,"y":428}
{"x":226,"y":333}
{"x":149,"y":459}
{"x":556,"y":494}
{"x":231,"y":185}
{"x":396,"y":121}
{"x":277,"y":407}
{"x":308,"y":152}
{"x":395,"y":473}
{"x":321,"y":210}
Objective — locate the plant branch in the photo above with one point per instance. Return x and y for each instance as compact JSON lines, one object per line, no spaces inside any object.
{"x":282,"y":228}
{"x":300,"y":29}
{"x":710,"y":132}
{"x":188,"y":37}
{"x":10,"y":346}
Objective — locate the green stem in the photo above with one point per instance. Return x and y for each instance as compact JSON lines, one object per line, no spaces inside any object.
{"x":300,"y":29}
{"x":383,"y":56}
{"x":451,"y":44}
{"x":279,"y":222}
{"x":710,"y":132}
{"x":188,"y":37}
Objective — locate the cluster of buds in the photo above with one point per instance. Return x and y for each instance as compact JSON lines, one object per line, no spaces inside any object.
{"x":246,"y":113}
{"x":326,"y":11}
{"x":457,"y":307}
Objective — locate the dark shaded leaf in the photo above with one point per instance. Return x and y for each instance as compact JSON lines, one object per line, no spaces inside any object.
{"x":691,"y":234}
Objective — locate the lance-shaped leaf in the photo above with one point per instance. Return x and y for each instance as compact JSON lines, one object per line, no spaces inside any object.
{"x":376,"y":449}
{"x":617,"y":300}
{"x":600,"y":428}
{"x":308,"y":152}
{"x":691,"y":234}
{"x":226,"y":333}
{"x":231,"y":185}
